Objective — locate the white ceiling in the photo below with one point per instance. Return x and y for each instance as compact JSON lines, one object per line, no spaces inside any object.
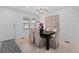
{"x":33,"y":9}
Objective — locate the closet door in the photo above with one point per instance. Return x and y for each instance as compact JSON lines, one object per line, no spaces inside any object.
{"x":29,"y":23}
{"x":26,"y":26}
{"x":32,"y":22}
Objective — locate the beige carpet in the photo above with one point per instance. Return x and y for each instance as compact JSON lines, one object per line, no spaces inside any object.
{"x":26,"y":47}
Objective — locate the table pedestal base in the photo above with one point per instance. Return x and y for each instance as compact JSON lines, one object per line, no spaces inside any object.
{"x":47,"y":43}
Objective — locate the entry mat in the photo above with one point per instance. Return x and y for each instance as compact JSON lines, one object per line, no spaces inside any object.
{"x":9,"y":46}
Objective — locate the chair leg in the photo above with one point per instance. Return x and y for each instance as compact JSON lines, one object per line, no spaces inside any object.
{"x":56,"y":44}
{"x":34,"y":40}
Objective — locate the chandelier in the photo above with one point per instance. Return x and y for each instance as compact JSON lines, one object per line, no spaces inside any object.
{"x":42,"y":12}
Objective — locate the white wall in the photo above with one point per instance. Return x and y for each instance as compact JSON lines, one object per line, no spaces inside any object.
{"x":9,"y":17}
{"x":19,"y":14}
{"x":6,"y":24}
{"x":69,"y":23}
{"x":68,"y":17}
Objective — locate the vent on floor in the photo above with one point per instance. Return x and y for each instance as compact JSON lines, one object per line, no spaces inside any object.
{"x":66,"y":41}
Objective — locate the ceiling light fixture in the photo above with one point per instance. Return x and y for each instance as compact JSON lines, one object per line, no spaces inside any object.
{"x":42,"y":12}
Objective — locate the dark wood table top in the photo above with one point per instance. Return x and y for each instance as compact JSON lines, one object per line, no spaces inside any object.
{"x":48,"y":33}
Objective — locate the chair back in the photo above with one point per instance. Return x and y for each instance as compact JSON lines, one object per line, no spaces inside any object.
{"x":52,"y":22}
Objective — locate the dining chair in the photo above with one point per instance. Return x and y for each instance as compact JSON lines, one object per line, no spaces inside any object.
{"x":52,"y":24}
{"x":36,"y":39}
